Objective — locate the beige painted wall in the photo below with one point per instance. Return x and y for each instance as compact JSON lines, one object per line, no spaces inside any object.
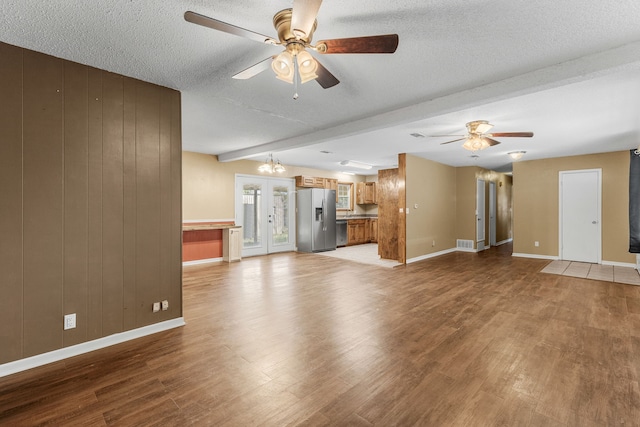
{"x":432,"y":186}
{"x":208,"y":185}
{"x":536,"y":201}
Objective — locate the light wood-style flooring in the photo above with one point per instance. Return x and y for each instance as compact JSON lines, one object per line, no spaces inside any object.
{"x":295,"y":339}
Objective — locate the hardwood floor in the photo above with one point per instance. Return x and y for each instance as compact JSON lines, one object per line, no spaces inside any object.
{"x":296,"y":339}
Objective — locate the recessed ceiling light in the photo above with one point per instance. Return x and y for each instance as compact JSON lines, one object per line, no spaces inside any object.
{"x":417,"y":135}
{"x":326,"y":152}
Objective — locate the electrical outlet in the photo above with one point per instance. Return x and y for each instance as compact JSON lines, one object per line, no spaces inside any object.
{"x":69,"y":321}
{"x":536,"y":243}
{"x":156,"y":307}
{"x":433,"y":243}
{"x":165,"y":305}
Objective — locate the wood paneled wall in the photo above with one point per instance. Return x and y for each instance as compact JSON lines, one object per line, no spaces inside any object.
{"x":90,"y":202}
{"x":388,"y":204}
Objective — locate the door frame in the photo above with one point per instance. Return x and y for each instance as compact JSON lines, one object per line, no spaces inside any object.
{"x":493,"y":208}
{"x":561,"y":174}
{"x":268,"y":246}
{"x":480,"y":214}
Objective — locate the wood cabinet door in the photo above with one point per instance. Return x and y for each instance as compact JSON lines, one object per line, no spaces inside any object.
{"x":351,"y":234}
{"x":360,"y":193}
{"x":374,"y":230}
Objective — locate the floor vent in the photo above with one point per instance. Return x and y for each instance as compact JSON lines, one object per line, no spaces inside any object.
{"x":464,"y":244}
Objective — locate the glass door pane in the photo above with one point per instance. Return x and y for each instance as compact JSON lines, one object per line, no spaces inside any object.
{"x":280,"y":216}
{"x":252,"y":215}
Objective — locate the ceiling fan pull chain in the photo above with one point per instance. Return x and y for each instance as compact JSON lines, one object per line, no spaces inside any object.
{"x":296,"y":75}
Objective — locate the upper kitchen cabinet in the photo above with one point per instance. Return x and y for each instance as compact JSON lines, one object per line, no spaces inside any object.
{"x":309,"y":181}
{"x":366,"y":193}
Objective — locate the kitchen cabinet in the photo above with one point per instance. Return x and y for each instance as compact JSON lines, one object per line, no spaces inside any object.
{"x":331,"y":184}
{"x":366,"y":193}
{"x":373,"y":230}
{"x":358,"y":231}
{"x":232,"y":244}
{"x":309,"y":181}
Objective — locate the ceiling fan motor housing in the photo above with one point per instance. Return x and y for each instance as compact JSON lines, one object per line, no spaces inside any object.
{"x":286,"y":34}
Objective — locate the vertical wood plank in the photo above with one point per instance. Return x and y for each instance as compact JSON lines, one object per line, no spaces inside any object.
{"x":129,"y":204}
{"x":402,"y":203}
{"x":112,"y":203}
{"x":147,"y":203}
{"x":176,"y":203}
{"x":10,"y":203}
{"x":43,"y":203}
{"x":94,"y":252}
{"x":75,"y":199}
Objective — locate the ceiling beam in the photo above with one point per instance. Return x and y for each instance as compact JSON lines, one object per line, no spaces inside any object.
{"x":623,"y":58}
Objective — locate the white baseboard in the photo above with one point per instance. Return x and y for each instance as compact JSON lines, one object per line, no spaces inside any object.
{"x":472,"y":250}
{"x":435,"y":254}
{"x":549,"y":257}
{"x":201,"y":261}
{"x":502,"y":242}
{"x":86,"y":347}
{"x":619,"y":264}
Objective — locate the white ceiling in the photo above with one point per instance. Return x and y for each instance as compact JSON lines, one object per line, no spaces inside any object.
{"x":567,"y":70}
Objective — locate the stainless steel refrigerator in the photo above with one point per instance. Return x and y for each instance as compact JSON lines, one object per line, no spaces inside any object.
{"x":316,"y":220}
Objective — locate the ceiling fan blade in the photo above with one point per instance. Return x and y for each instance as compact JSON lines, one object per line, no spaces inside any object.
{"x":205,"y":21}
{"x":491,"y":142}
{"x":325,"y":78}
{"x":255,"y":69}
{"x":387,"y":43}
{"x":455,"y":140}
{"x":303,"y":16}
{"x":511,"y":134}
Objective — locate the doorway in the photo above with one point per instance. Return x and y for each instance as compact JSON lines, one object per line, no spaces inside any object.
{"x":580,"y":213}
{"x":265,"y":207}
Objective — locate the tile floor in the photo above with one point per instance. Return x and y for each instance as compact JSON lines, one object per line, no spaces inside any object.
{"x":607,"y":273}
{"x":366,"y":254}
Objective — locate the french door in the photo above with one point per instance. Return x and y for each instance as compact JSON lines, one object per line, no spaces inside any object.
{"x":265,"y":207}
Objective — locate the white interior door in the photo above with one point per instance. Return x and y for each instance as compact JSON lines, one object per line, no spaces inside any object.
{"x":492,"y":213}
{"x":580,"y":212}
{"x":480,"y":200}
{"x":265,"y":207}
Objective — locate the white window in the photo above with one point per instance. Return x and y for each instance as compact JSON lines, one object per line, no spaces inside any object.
{"x":345,"y":193}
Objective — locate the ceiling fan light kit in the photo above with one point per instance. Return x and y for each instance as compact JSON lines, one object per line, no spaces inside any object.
{"x":295,"y":28}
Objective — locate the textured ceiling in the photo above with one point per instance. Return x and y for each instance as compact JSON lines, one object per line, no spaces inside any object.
{"x":567,"y":70}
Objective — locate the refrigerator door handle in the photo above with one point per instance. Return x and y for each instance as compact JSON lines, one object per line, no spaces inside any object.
{"x":322,"y":217}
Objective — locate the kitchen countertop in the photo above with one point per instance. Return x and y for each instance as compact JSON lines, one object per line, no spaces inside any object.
{"x":196,"y":227}
{"x":363,"y":216}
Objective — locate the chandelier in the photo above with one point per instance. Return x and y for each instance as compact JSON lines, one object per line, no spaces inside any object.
{"x":271,"y":166}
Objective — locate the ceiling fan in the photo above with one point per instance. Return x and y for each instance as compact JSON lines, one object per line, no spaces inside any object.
{"x":295,"y":28}
{"x":477,"y":138}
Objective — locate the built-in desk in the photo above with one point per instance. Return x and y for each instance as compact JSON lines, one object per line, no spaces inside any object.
{"x":205,"y":241}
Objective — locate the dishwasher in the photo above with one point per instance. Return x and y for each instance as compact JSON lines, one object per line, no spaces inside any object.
{"x":341,"y":232}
